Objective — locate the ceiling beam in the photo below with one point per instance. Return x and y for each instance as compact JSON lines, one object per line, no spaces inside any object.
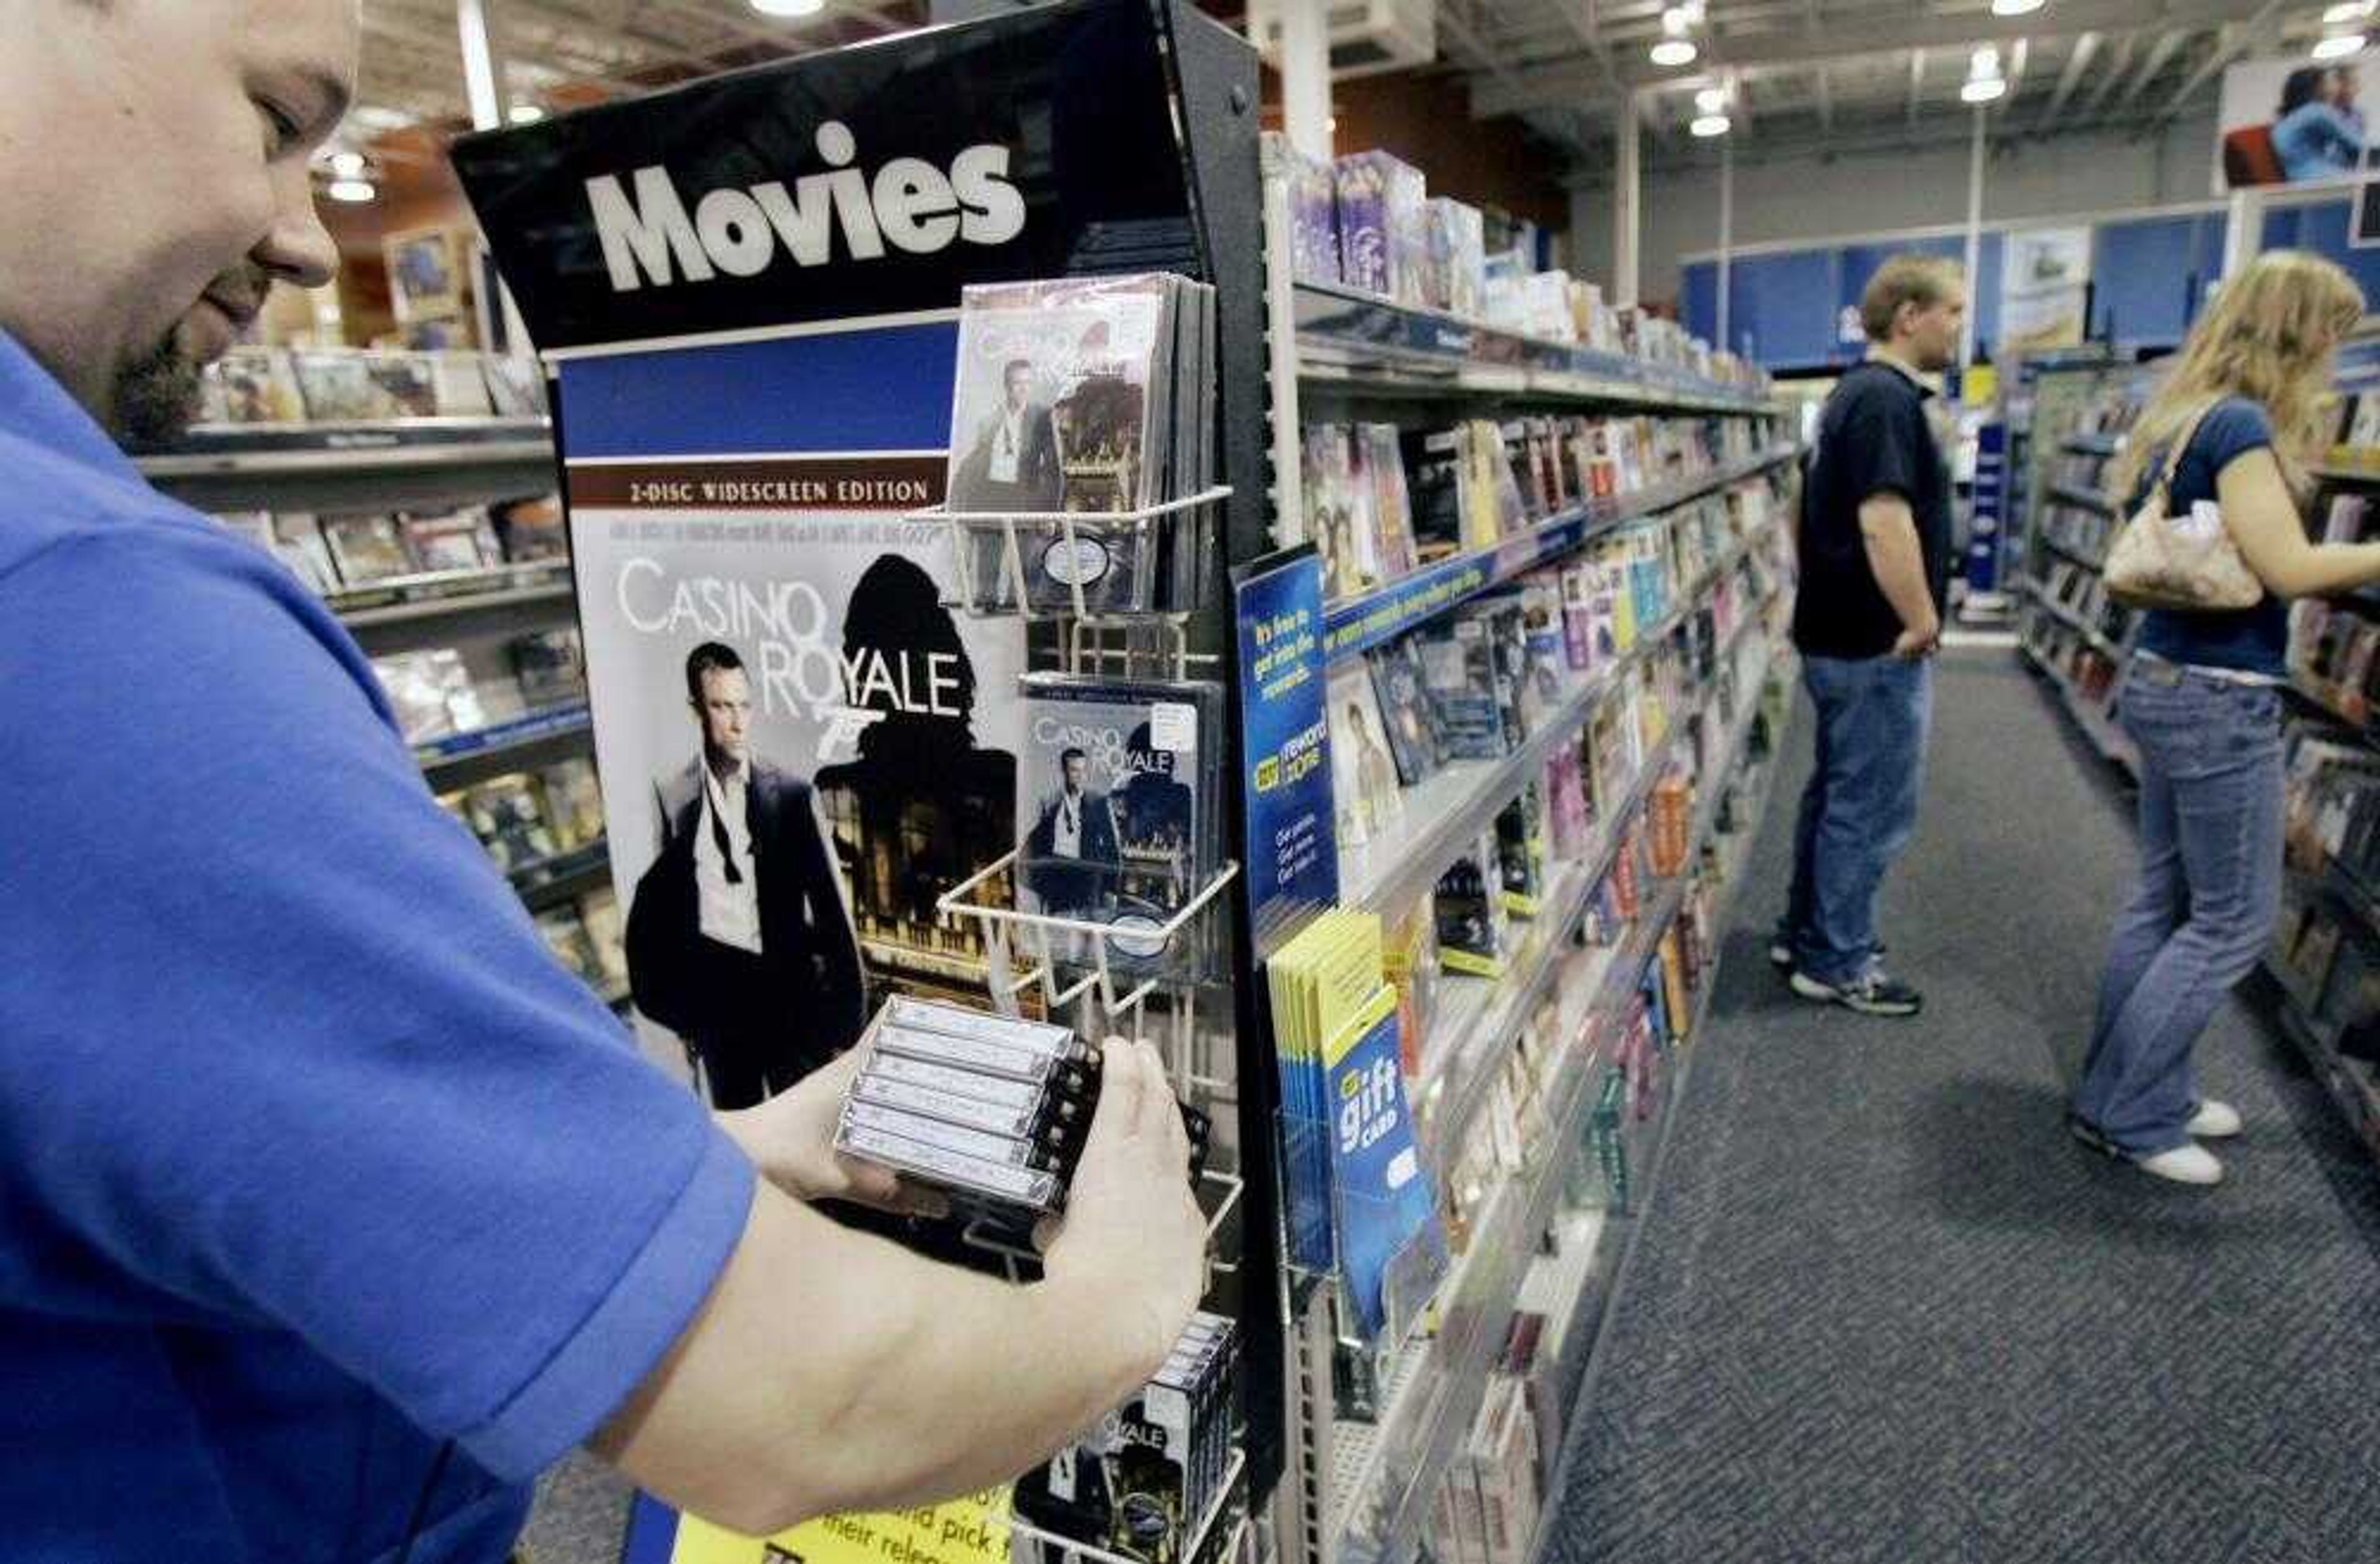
{"x":2113,"y":77}
{"x":2232,"y":42}
{"x":2077,"y":60}
{"x":1916,"y":81}
{"x":2159,"y":52}
{"x":1567,"y":82}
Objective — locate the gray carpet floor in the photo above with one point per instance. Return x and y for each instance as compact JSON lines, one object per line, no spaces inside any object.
{"x":1883,"y":1309}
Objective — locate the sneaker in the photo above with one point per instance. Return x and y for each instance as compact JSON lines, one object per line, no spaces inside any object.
{"x":1874,"y":994}
{"x":2215,"y":1121}
{"x":2188,"y":1163}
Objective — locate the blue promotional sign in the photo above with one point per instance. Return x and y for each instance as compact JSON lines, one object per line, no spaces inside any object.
{"x":1292,"y":849}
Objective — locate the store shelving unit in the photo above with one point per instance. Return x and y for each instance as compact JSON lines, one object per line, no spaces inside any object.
{"x":2054,"y":639}
{"x":1436,"y":1387}
{"x":1360,"y":340}
{"x":1360,"y":1492}
{"x":417,"y":464}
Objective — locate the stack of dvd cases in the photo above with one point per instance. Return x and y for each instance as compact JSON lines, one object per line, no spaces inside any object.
{"x":988,"y":1109}
{"x":1094,"y":397}
{"x":1139,"y":1484}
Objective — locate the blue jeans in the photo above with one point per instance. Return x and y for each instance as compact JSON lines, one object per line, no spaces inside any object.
{"x":1860,"y":808}
{"x":2209,"y":895}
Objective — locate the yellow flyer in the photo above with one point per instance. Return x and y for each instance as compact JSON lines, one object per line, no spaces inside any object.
{"x":969,"y":1531}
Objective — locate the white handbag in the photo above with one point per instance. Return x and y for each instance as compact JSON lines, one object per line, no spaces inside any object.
{"x":2187,"y":562}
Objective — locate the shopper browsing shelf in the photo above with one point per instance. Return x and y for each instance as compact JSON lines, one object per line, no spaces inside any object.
{"x":1875,"y":543}
{"x":334,"y":1208}
{"x":2202,"y":701}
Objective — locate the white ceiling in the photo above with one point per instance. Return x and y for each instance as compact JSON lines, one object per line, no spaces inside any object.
{"x":1832,"y":75}
{"x":1808,"y":74}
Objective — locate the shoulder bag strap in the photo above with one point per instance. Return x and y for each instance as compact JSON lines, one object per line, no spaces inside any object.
{"x":2180,"y":449}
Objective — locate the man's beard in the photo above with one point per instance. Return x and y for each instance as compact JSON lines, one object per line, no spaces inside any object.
{"x":154,"y":397}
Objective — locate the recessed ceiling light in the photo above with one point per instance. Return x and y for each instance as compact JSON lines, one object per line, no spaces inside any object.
{"x":348,"y":165}
{"x":1676,"y":20}
{"x":1711,"y":125}
{"x":2338,"y":46}
{"x":2016,"y":7}
{"x":789,"y":8}
{"x":527,"y":114}
{"x":2351,"y":11}
{"x":1673,"y":51}
{"x":1710,"y":100}
{"x":1983,"y":90}
{"x":354,"y":192}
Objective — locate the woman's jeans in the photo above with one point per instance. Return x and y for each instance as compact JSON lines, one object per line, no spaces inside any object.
{"x":2209,"y":895}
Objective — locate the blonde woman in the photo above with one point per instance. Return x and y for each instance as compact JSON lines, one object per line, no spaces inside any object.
{"x":2201,"y":702}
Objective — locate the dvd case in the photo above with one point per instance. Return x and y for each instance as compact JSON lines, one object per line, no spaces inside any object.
{"x":1406,"y":711}
{"x":1117,"y":820}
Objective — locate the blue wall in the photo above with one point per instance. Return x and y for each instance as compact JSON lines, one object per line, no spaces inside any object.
{"x":2150,"y":275}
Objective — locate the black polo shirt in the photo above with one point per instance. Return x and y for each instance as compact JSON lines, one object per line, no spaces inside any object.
{"x":1875,"y":436}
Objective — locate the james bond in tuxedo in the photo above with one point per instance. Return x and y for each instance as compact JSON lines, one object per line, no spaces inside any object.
{"x":738,"y":939}
{"x":1078,"y":824}
{"x":1014,"y":464}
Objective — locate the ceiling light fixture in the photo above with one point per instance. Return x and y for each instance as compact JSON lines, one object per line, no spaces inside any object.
{"x":2016,"y":7}
{"x":353,"y":192}
{"x":789,"y":8}
{"x":2350,"y":11}
{"x":1711,"y":125}
{"x":348,"y":165}
{"x":1674,"y":52}
{"x":2338,"y":46}
{"x":1983,"y":90}
{"x":1711,"y":100}
{"x":527,"y":114}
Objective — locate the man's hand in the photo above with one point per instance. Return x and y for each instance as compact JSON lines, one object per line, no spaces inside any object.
{"x":1911,"y":645}
{"x":791,"y":1139}
{"x":1133,"y":1244}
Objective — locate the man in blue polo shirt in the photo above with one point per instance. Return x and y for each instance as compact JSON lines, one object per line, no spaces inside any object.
{"x":331,"y":1208}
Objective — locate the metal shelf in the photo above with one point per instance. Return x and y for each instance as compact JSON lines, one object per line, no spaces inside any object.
{"x":417,"y":464}
{"x":2081,"y":499}
{"x":1358,"y":623}
{"x":1442,"y":813}
{"x":2110,"y":739}
{"x":1360,"y":340}
{"x":531,"y":739}
{"x":1471,"y":1064}
{"x":565,"y":877}
{"x":414,"y":610}
{"x":1480,"y":1297}
{"x":2094,"y":564}
{"x":2351,"y":1084}
{"x":2074,"y":621}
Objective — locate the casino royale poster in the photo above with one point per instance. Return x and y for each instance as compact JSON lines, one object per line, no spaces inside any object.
{"x":780,"y":621}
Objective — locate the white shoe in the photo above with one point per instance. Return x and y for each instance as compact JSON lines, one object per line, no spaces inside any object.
{"x":2187,"y":1164}
{"x":2215,"y":1121}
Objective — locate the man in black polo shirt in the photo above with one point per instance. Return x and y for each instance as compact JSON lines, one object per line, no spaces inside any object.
{"x":1875,"y":564}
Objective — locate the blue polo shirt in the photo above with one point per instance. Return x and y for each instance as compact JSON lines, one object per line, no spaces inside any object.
{"x":314,"y":1166}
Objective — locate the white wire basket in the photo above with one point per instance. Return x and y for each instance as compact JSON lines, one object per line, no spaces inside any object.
{"x":1090,"y":564}
{"x":1035,"y":949}
{"x":1055,"y":1545}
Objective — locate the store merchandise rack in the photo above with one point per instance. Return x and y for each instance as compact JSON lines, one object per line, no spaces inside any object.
{"x":421,"y":465}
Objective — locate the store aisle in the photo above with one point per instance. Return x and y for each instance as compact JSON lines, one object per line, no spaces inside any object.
{"x":1883,"y":1309}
